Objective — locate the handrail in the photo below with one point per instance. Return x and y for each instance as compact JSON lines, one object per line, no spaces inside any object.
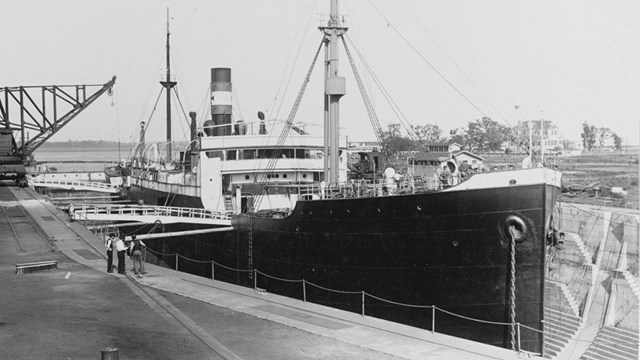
{"x":74,"y":182}
{"x":152,"y":210}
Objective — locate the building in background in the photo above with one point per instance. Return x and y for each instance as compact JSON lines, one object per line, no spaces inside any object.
{"x":545,"y":135}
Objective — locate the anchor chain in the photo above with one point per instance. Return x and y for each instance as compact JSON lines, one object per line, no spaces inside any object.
{"x":512,"y":231}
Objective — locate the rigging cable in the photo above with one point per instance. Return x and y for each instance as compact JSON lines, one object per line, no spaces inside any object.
{"x":287,"y":126}
{"x":295,"y":61}
{"x":389,"y":24}
{"x":394,"y":106}
{"x":456,"y":65}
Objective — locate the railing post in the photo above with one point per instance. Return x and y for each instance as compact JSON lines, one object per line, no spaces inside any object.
{"x":304,"y":290}
{"x":255,"y":279}
{"x":213,"y":270}
{"x":176,"y":261}
{"x":363,"y":303}
{"x":518,"y":330}
{"x":433,"y":319}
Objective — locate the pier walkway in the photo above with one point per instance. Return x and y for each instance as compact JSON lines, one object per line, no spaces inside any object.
{"x":149,"y":214}
{"x":79,"y":309}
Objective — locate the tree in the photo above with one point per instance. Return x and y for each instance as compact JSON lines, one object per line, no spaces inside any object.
{"x":486,"y":135}
{"x":427,"y":133}
{"x":393,"y":141}
{"x":603,"y":134}
{"x":588,"y":136}
{"x":617,"y":141}
{"x":459,"y":136}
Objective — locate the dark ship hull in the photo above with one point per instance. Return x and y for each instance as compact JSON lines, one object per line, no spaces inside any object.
{"x":146,"y":196}
{"x":448,"y":249}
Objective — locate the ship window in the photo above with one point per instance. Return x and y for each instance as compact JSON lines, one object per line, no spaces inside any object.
{"x":284,"y":176}
{"x":277,"y":176}
{"x":304,"y":176}
{"x":249,"y":154}
{"x":265,"y":153}
{"x":247,"y":177}
{"x":300,"y":154}
{"x":232,"y":155}
{"x":215,"y":154}
{"x":288,"y":153}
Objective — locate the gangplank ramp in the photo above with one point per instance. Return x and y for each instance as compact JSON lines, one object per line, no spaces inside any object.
{"x":73,"y":185}
{"x":149,"y":214}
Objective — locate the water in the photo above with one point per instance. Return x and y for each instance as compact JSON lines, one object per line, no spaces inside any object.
{"x":80,"y":158}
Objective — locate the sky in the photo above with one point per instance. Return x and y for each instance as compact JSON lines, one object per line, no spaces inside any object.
{"x":441,"y":62}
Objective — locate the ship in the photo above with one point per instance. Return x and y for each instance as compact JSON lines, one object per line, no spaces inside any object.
{"x":461,"y":258}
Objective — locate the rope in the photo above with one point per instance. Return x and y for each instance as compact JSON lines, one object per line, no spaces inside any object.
{"x":277,"y":278}
{"x":513,"y":324}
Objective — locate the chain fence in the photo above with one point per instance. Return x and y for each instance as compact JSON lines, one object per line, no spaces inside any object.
{"x":364,"y":298}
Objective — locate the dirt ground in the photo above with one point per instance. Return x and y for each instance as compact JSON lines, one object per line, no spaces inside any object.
{"x":590,"y":178}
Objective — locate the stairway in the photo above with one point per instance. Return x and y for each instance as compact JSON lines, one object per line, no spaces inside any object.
{"x":633,"y":282}
{"x":581,"y":246}
{"x":613,"y":344}
{"x":559,"y":327}
{"x":228,"y":203}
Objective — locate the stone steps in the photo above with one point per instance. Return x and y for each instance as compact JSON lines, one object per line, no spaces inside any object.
{"x":560,"y":325}
{"x":613,"y":344}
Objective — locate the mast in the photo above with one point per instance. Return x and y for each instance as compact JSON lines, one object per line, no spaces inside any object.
{"x":168,"y":84}
{"x":334,"y":89}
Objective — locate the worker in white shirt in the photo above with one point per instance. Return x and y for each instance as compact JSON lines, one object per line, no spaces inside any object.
{"x":120,"y":248}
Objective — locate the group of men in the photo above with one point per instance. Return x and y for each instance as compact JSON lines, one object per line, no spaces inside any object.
{"x":133,"y":249}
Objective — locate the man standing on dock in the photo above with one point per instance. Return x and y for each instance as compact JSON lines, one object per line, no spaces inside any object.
{"x":120,"y":248}
{"x":109,"y":245}
{"x":136,"y":255}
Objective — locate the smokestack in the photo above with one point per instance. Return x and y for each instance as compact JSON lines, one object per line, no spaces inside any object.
{"x":221,"y":101}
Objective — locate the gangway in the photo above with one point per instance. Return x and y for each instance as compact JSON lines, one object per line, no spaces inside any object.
{"x":74,"y":185}
{"x":149,"y":214}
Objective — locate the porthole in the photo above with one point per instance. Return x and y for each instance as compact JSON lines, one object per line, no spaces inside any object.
{"x":419,"y":207}
{"x":348,"y":211}
{"x":247,"y":177}
{"x":304,"y":176}
{"x":277,"y":176}
{"x":379,"y":210}
{"x":330,"y":211}
{"x":512,"y":182}
{"x":455,"y":243}
{"x":284,"y":176}
{"x":268,"y":176}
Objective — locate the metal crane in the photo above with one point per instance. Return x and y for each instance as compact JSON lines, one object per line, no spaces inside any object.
{"x":44,"y":109}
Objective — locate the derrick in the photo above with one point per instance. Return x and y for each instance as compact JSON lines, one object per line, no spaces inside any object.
{"x":43,"y":109}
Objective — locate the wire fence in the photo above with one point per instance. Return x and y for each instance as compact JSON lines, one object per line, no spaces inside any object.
{"x":301,"y":288}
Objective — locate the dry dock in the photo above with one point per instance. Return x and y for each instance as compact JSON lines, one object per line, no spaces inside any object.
{"x":77,"y":310}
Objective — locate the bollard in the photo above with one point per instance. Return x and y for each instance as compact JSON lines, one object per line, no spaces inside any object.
{"x":110,"y":354}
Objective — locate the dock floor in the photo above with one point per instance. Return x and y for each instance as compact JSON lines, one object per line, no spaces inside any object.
{"x":78,"y":310}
